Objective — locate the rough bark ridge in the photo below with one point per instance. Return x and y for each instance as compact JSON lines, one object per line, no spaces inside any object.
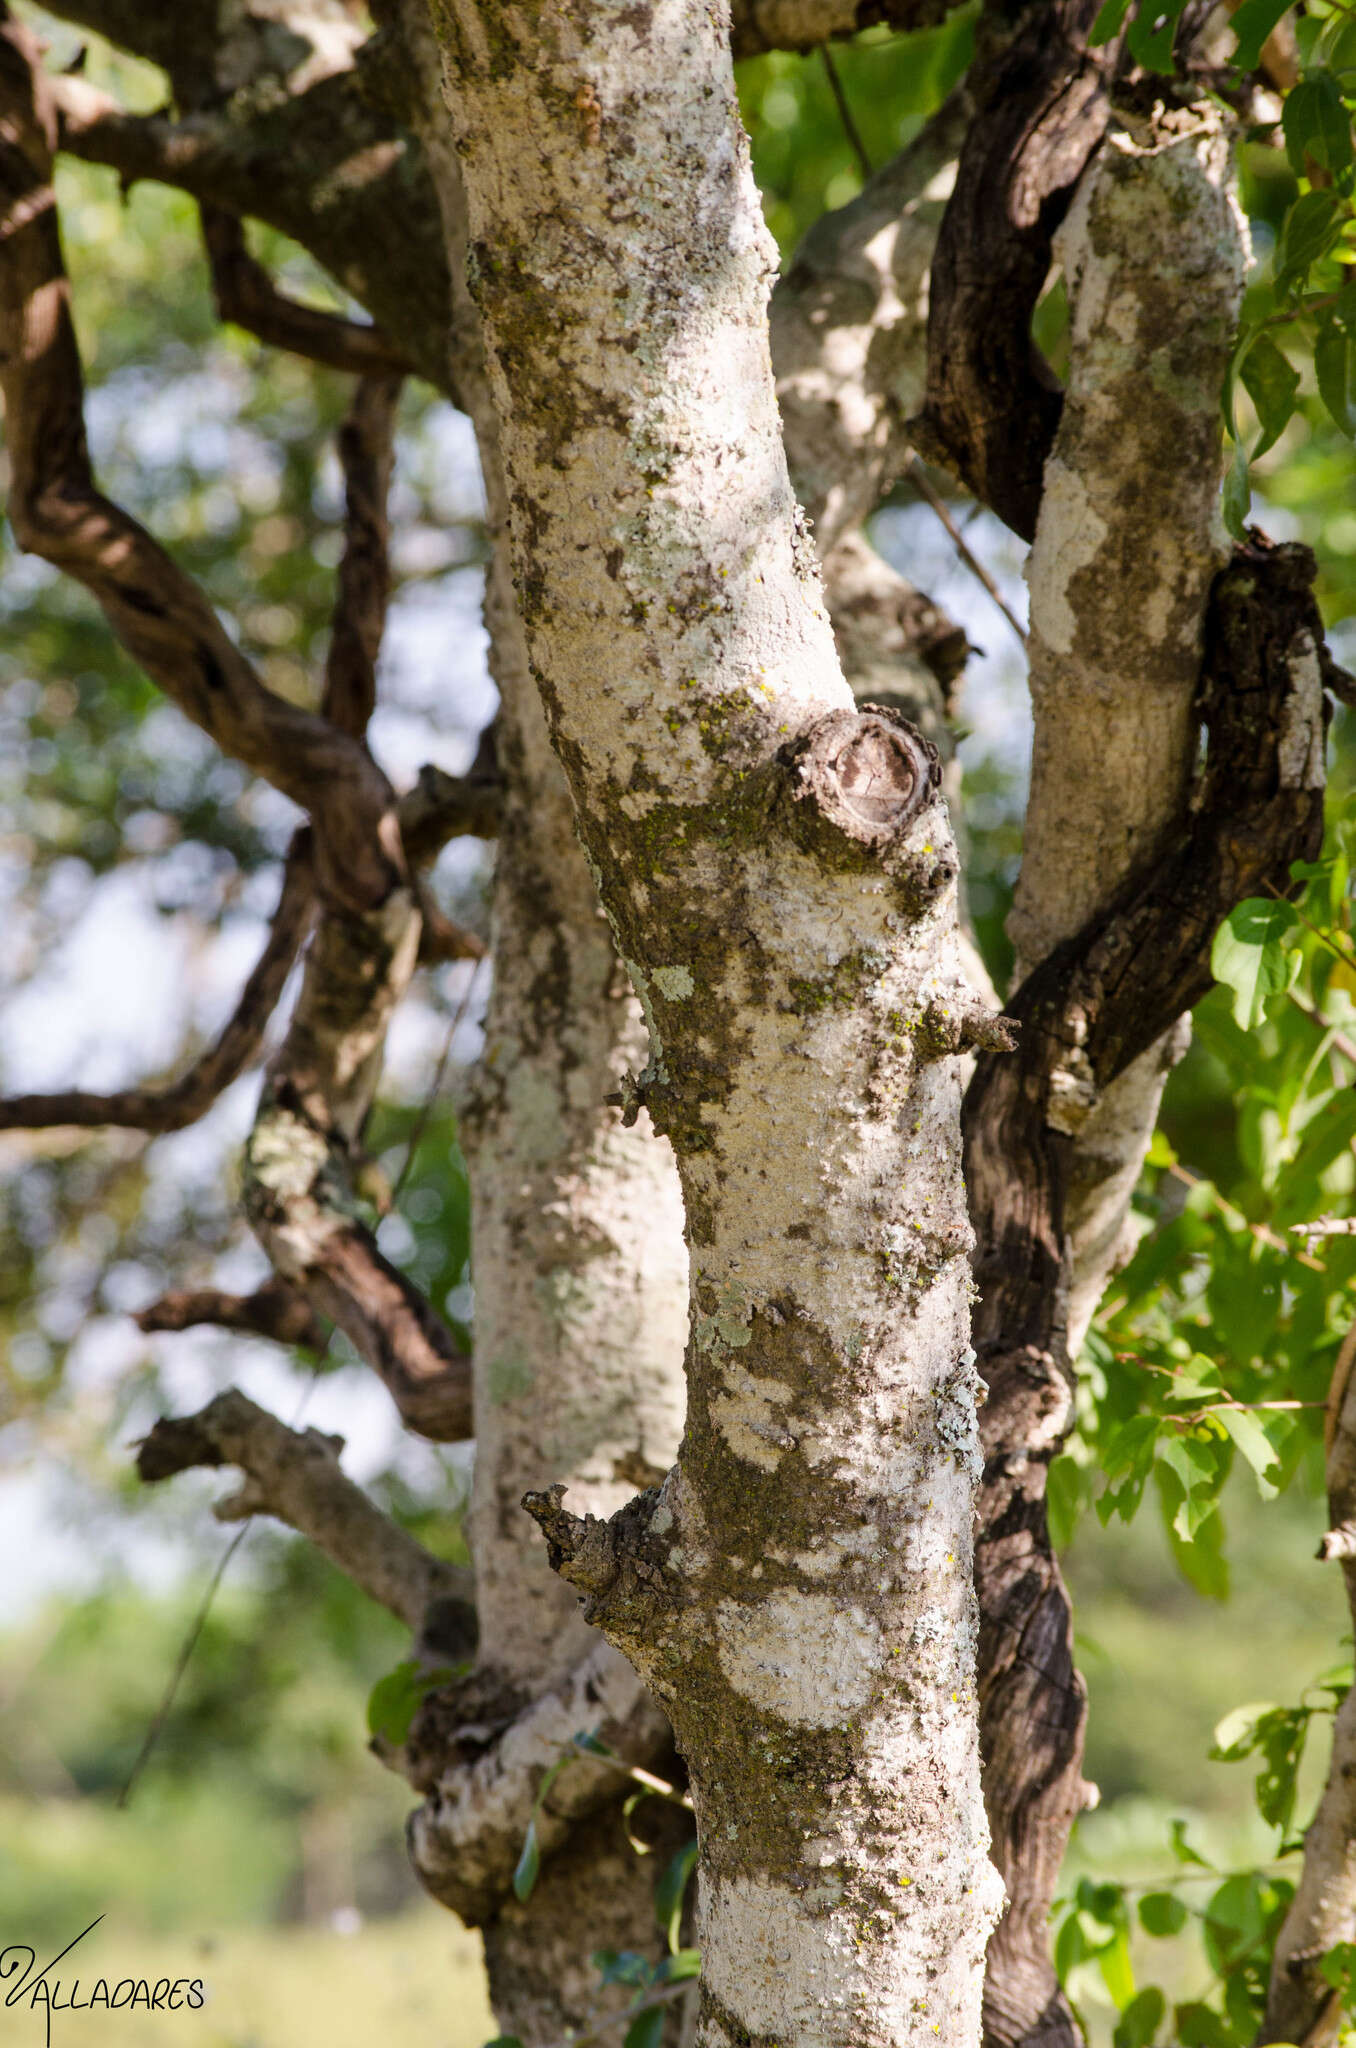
{"x":780,"y":877}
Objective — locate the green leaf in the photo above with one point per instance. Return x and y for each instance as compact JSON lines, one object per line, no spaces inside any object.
{"x":624,"y":1966}
{"x":1316,"y":124}
{"x":395,"y":1699}
{"x":1183,"y":1850}
{"x":504,"y":2041}
{"x":1063,"y":1496}
{"x":683,"y":1964}
{"x":1197,"y":2025}
{"x":1271,"y":384}
{"x":670,"y":1892}
{"x":1335,"y":368}
{"x":529,"y":1863}
{"x":1141,"y":2020}
{"x":1307,"y":233}
{"x":1162,"y":1914}
{"x":1248,"y":956}
{"x":1153,"y":32}
{"x":1252,"y":25}
{"x":1117,"y":1972}
{"x":1236,"y":1735}
{"x":1237,"y":493}
{"x":1109,"y":22}
{"x":647,"y":2028}
{"x":1338,"y":1965}
{"x":1252,"y":1441}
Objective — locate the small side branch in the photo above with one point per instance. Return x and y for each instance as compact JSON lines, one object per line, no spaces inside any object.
{"x":275,"y":1310}
{"x":1301,"y":2004}
{"x":247,"y":297}
{"x":157,"y":1110}
{"x":294,"y":1475}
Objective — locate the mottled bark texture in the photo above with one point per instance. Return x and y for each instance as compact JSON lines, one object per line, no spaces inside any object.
{"x":1302,"y":2006}
{"x":581,"y":1317}
{"x":779,"y":874}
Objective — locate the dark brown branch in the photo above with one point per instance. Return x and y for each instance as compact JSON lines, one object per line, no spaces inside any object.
{"x":442,"y":807}
{"x":993,"y":403}
{"x":760,"y":25}
{"x":158,"y":613}
{"x":247,"y":297}
{"x":366,"y":450}
{"x":157,"y":1110}
{"x":276,"y":1311}
{"x":294,"y":1475}
{"x":1096,"y":1004}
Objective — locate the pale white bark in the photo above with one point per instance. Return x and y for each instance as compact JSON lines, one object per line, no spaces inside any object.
{"x":780,"y":875}
{"x":1153,"y":251}
{"x":1129,"y":538}
{"x":580,"y":1325}
{"x":849,"y":331}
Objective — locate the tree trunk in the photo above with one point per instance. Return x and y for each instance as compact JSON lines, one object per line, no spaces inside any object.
{"x":779,"y":873}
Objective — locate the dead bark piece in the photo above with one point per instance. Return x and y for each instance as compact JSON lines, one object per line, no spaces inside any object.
{"x":759,"y":25}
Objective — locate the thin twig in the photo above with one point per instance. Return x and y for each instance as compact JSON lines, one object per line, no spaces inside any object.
{"x":659,"y":1786}
{"x":921,"y":482}
{"x":1340,"y":1042}
{"x":1235,"y":1216}
{"x":840,"y":100}
{"x":188,"y":1646}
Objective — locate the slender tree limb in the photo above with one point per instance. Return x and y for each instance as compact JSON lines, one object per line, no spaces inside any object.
{"x":295,"y":1476}
{"x":849,"y":331}
{"x":157,"y":612}
{"x":247,"y":297}
{"x":366,"y":452}
{"x":157,"y":1110}
{"x":992,"y":401}
{"x":1302,"y":2006}
{"x":1095,"y":1005}
{"x":275,"y":1310}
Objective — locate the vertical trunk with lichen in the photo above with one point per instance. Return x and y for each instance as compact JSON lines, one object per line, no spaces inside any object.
{"x":779,"y":873}
{"x":581,"y":1282}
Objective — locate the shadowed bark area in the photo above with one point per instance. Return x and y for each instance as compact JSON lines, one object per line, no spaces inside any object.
{"x":1097,"y":1003}
{"x":993,"y":403}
